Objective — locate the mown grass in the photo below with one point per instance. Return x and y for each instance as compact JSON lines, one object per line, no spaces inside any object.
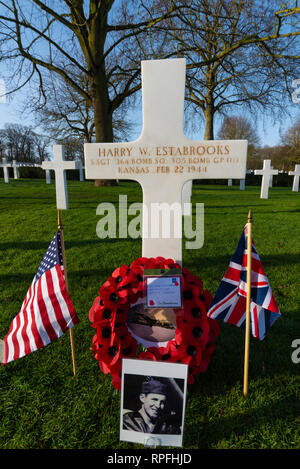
{"x":43,"y":406}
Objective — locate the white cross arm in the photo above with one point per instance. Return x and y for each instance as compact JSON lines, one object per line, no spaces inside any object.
{"x":67,"y":165}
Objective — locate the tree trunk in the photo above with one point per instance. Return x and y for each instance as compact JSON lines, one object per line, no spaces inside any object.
{"x":102,"y":118}
{"x":209,"y":122}
{"x":209,"y":105}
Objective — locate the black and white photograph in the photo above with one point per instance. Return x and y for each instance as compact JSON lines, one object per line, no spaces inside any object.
{"x":153,"y":402}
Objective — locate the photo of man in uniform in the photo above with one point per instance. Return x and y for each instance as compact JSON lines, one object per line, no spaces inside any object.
{"x":154,"y":414}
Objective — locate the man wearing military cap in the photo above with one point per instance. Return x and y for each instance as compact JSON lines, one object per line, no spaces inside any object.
{"x":152,"y":416}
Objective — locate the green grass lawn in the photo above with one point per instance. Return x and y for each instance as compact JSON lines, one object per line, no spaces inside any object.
{"x":43,"y":406}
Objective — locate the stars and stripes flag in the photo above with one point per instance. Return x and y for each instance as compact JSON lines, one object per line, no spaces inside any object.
{"x":229,"y":303}
{"x":47,"y":310}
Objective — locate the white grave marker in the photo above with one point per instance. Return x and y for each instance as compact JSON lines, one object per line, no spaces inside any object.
{"x":296,"y":175}
{"x":15,"y":165}
{"x":163,"y":159}
{"x":229,"y":182}
{"x":5,"y":165}
{"x":271,"y":178}
{"x":266,"y":173}
{"x":80,"y":167}
{"x":60,"y":166}
{"x":48,"y":172}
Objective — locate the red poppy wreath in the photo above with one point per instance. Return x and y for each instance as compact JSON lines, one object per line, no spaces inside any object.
{"x":195,"y":333}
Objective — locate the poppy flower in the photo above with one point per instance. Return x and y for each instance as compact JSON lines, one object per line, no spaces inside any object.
{"x":120,"y":272}
{"x":128,"y":345}
{"x":152,"y":353}
{"x":189,"y":331}
{"x":139,"y":261}
{"x":170,"y":352}
{"x":108,"y":368}
{"x":96,"y":348}
{"x":128,"y":276}
{"x":110,"y":353}
{"x":195,"y":310}
{"x":189,"y":293}
{"x":191,"y":279}
{"x":190,"y":352}
{"x":170,"y":264}
{"x":151,"y":263}
{"x":110,"y":297}
{"x":96,"y":307}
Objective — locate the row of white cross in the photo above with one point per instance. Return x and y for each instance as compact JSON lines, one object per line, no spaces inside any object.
{"x":5,"y":164}
{"x":60,"y":165}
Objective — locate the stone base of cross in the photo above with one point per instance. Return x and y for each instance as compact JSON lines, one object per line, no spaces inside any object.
{"x":163,"y":159}
{"x":266,"y":174}
{"x":296,"y":175}
{"x":59,"y":165}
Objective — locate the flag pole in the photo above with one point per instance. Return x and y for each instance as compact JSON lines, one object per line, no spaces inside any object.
{"x":60,"y":228}
{"x":247,"y":333}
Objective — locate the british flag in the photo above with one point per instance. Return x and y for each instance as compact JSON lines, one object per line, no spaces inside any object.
{"x":229,"y":303}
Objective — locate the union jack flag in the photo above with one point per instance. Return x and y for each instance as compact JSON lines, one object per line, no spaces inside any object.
{"x":47,"y":310}
{"x":229,"y":303}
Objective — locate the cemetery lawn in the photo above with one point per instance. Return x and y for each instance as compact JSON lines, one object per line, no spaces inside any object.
{"x":43,"y":406}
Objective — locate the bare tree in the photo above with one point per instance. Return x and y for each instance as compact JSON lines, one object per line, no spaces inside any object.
{"x":87,"y":37}
{"x":291,"y":141}
{"x":66,"y":115}
{"x":20,"y":143}
{"x":75,"y":38}
{"x":241,"y":128}
{"x":239,"y":53}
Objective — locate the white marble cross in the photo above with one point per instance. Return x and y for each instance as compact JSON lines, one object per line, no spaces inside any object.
{"x":266,"y":173}
{"x":48,"y":172}
{"x":80,"y":167}
{"x":16,"y":169}
{"x":60,"y":166}
{"x":296,"y":175}
{"x":271,"y":178}
{"x":5,"y":165}
{"x":163,"y":159}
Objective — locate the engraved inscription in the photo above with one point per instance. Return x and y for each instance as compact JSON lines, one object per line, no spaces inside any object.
{"x":192,"y":160}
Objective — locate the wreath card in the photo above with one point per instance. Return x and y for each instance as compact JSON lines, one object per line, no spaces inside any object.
{"x":163,"y":288}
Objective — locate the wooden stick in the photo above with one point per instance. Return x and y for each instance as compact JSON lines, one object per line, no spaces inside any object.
{"x":60,"y":227}
{"x":247,"y":333}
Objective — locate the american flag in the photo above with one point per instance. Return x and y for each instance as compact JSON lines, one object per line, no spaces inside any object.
{"x":229,"y":303}
{"x":47,"y":310}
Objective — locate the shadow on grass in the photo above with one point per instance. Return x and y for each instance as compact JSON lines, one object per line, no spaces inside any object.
{"x":33,"y":245}
{"x":73,"y":275}
{"x":273,"y":259}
